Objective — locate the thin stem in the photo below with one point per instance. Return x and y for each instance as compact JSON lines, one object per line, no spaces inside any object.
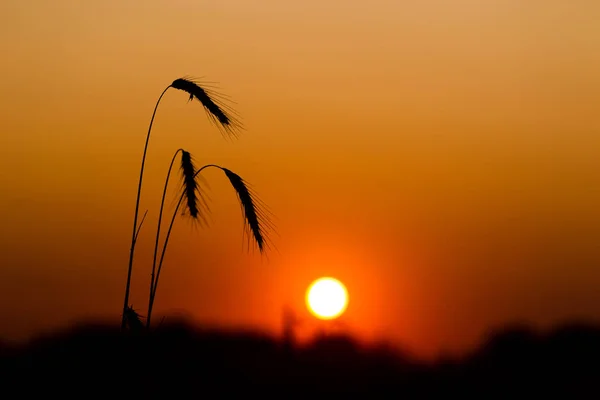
{"x":162,"y":204}
{"x":137,"y":207}
{"x":162,"y":256}
{"x":140,"y":227}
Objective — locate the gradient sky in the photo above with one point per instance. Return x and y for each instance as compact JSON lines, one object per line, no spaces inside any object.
{"x":439,"y":157}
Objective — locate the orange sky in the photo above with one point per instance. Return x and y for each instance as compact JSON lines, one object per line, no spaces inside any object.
{"x":439,"y":157}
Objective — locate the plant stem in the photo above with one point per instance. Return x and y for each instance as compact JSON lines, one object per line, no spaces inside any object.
{"x":162,"y":203}
{"x":137,"y":207}
{"x":141,"y":223}
{"x":162,"y":256}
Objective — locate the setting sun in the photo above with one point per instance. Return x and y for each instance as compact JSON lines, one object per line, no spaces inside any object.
{"x":327,"y":298}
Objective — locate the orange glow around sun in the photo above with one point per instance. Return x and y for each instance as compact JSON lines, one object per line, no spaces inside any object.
{"x":327,"y":298}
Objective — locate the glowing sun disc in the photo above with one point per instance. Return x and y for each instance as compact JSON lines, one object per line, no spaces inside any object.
{"x":327,"y":298}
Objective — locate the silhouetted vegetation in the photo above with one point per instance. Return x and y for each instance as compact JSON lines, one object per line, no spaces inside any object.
{"x":179,"y":359}
{"x":254,"y":212}
{"x":225,"y":118}
{"x":218,"y":111}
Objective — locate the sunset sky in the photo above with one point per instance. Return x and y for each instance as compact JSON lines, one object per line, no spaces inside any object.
{"x":439,"y":157}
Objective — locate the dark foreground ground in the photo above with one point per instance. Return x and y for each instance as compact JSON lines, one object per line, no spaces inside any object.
{"x":180,"y":361}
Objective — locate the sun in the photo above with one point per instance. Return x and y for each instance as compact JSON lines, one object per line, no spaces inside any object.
{"x":327,"y":298}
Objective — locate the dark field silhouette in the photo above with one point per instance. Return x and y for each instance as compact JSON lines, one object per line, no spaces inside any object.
{"x":181,"y":360}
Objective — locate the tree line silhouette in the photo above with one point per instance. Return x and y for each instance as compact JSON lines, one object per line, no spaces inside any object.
{"x":182,"y":359}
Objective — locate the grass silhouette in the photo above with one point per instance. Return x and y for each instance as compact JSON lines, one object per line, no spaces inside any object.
{"x":255,"y":214}
{"x":218,"y":111}
{"x":133,"y":320}
{"x":190,"y":190}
